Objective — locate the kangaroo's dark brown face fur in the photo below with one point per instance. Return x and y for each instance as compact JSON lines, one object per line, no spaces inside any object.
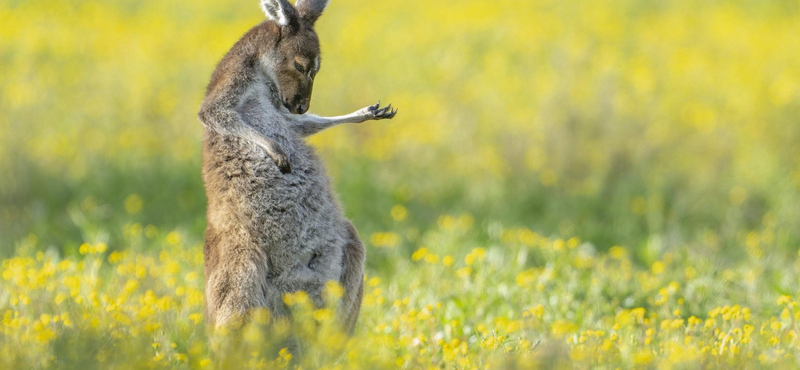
{"x":298,"y":64}
{"x":295,"y":59}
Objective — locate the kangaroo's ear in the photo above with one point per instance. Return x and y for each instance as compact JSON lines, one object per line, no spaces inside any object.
{"x":279,"y":11}
{"x":310,"y":10}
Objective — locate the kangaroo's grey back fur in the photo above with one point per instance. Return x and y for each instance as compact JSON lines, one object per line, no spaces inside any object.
{"x":274,"y":224}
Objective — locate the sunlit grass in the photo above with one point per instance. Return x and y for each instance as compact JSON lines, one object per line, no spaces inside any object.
{"x":524,"y":300}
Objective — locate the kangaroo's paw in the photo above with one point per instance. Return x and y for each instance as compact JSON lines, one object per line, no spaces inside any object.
{"x":281,"y":159}
{"x":375,"y":112}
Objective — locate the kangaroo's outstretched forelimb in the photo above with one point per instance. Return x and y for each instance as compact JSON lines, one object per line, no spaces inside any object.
{"x":309,"y":124}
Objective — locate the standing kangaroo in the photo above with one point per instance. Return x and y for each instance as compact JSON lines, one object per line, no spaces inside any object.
{"x":274,"y":224}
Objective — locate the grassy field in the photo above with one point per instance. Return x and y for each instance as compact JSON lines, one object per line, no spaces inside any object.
{"x":568,"y":184}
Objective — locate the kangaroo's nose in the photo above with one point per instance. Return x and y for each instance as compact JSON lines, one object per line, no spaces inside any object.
{"x":303,"y":107}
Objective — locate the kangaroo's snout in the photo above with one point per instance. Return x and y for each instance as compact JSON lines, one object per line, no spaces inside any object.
{"x":297,"y":105}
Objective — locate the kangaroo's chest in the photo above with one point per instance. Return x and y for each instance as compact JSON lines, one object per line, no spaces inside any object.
{"x":295,"y":210}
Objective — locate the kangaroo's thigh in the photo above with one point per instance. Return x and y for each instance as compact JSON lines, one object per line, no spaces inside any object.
{"x":237,"y":284}
{"x":352,"y":279}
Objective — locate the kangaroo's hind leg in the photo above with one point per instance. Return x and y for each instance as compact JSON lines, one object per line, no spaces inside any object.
{"x":237,"y":283}
{"x":352,"y":279}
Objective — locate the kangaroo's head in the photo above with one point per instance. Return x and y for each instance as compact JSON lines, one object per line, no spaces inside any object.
{"x":296,"y":56}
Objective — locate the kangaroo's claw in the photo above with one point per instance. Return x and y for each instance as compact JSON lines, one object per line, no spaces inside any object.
{"x":282,"y":161}
{"x":284,"y":165}
{"x":376,"y":112}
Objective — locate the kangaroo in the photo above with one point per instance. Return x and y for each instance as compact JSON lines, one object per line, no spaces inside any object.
{"x":274,"y":225}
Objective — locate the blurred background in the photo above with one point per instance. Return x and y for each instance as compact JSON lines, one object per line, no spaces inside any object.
{"x":649,"y":124}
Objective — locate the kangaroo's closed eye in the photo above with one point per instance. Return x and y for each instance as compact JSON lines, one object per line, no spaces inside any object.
{"x":299,"y":67}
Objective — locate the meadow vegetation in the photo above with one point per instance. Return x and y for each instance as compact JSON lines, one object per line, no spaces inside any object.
{"x":581,"y":184}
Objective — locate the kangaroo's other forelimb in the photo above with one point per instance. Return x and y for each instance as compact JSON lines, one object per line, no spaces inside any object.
{"x":218,"y":113}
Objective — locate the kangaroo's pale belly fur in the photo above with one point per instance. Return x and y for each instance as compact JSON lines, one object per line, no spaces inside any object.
{"x":268,"y":233}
